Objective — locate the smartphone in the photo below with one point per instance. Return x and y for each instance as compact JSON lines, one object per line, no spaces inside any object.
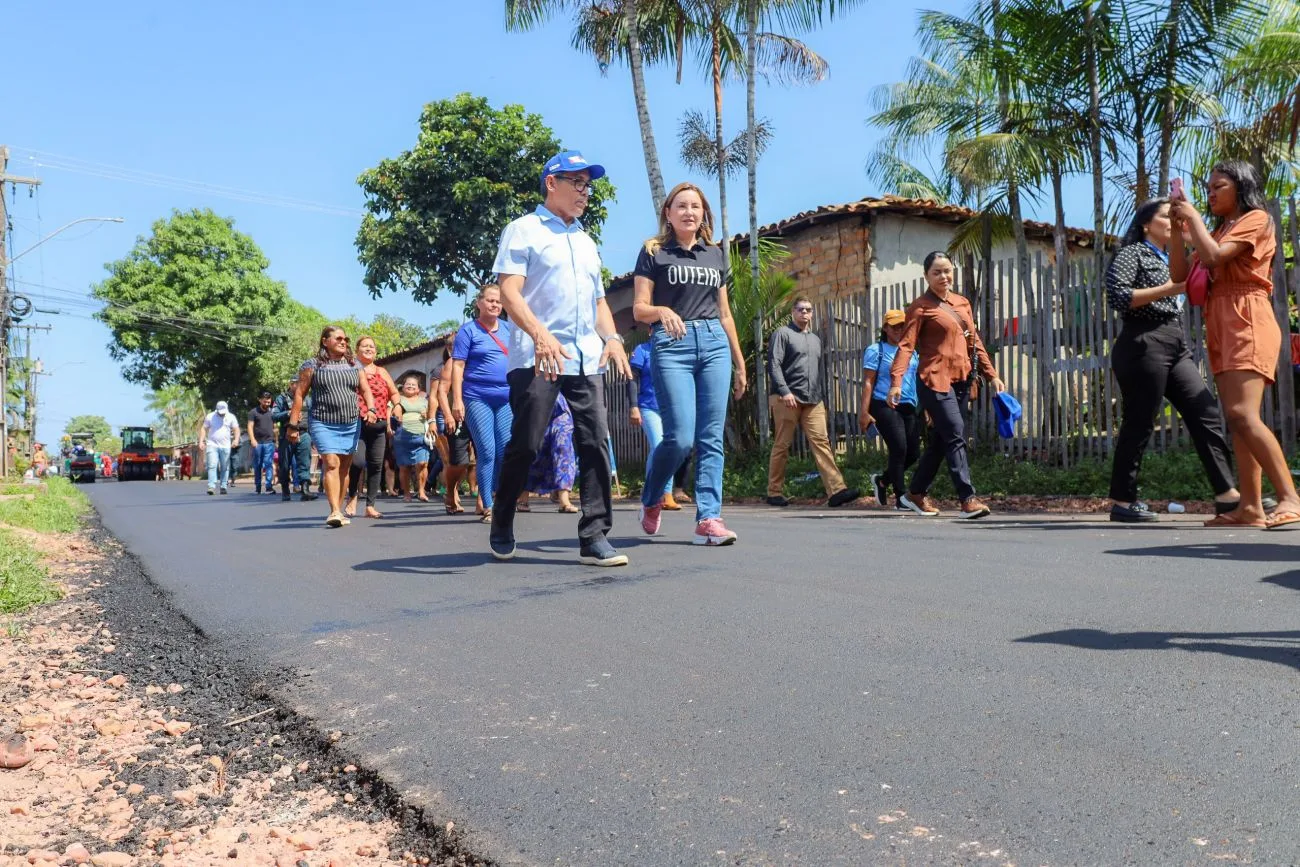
{"x":1176,"y":190}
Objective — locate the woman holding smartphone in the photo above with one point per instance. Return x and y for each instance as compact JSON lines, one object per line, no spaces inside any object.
{"x":1242,"y":335}
{"x":1151,"y":362}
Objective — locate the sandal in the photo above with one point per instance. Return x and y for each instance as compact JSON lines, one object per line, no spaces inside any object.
{"x":487,"y":517}
{"x":1227,"y":520}
{"x":523,"y":507}
{"x":1280,"y":520}
{"x":372,"y":512}
{"x":453,"y":510}
{"x":569,"y":509}
{"x":334,"y":520}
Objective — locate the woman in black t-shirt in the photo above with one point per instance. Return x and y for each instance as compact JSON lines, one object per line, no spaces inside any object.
{"x":680,"y":290}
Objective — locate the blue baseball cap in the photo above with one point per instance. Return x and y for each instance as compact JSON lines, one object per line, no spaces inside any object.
{"x":1008,"y":412}
{"x":570,"y":161}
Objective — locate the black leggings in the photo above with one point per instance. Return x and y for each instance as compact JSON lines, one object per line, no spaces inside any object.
{"x":370,"y":449}
{"x":900,"y":429}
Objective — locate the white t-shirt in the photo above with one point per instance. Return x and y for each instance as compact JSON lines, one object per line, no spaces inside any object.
{"x":220,"y":429}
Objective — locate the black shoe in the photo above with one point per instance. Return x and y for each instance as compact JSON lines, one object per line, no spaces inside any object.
{"x":211,"y":492}
{"x":599,"y":552}
{"x":881,"y":489}
{"x":1133,"y":513}
{"x":285,"y":497}
{"x":502,"y":544}
{"x":1269,"y":504}
{"x":778,"y":501}
{"x":838,"y":499}
{"x":224,"y":491}
{"x":306,"y":496}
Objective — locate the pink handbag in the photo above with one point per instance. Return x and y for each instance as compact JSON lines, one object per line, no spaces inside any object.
{"x":1198,"y":284}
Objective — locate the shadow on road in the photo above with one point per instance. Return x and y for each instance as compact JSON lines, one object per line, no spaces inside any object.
{"x":1281,"y":648}
{"x":1250,"y":552}
{"x":563,"y":552}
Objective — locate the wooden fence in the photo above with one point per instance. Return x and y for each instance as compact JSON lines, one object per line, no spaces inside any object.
{"x":1051,"y":345}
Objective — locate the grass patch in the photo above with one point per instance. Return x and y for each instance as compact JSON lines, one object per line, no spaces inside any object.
{"x":1165,"y":475}
{"x":57,"y":509}
{"x":23,"y":579}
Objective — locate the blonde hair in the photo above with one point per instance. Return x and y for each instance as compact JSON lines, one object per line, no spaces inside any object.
{"x":704,"y":234}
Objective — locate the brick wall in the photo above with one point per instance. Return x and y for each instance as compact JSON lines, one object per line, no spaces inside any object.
{"x":829,"y":260}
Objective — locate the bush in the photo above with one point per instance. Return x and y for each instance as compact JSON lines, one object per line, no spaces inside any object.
{"x":23,"y":580}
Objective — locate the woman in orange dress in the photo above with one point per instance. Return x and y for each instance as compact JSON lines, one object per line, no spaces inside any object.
{"x":1241,"y":331}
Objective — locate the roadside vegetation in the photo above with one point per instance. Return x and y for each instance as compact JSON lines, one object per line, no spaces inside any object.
{"x":55,"y":507}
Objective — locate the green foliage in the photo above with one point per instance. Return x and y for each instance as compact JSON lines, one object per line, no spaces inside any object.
{"x":110,"y":445}
{"x":53,"y":510}
{"x":23,"y":579}
{"x":96,"y":425}
{"x":180,"y":411}
{"x":774,"y":297}
{"x":190,"y":305}
{"x":435,"y":213}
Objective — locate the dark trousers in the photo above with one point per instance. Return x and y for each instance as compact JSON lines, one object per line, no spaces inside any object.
{"x":370,"y":453}
{"x":1151,"y":363}
{"x":900,"y":429}
{"x":296,"y":457}
{"x":947,"y":440}
{"x":532,"y":398}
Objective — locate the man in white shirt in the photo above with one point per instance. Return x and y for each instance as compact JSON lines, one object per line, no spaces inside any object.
{"x":564,"y":336}
{"x":218,"y":434}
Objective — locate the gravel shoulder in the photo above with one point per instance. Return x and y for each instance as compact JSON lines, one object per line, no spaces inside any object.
{"x":128,"y":739}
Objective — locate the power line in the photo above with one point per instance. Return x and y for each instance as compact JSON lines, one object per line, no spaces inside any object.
{"x":77,"y":165}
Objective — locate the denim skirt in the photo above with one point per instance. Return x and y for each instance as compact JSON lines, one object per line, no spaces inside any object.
{"x":334,"y":439}
{"x":409,"y":448}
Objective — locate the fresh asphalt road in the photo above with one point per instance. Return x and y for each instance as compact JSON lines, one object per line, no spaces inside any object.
{"x":838,"y":688}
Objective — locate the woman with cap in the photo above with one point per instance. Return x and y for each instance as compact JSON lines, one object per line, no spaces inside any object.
{"x":899,"y":426}
{"x":940,"y":328}
{"x":680,"y":290}
{"x":333,"y":378}
{"x":369,"y":458}
{"x":480,"y":395}
{"x":1151,"y":362}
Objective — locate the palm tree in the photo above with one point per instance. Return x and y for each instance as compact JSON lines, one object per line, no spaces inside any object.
{"x":699,"y":150}
{"x":611,"y":30}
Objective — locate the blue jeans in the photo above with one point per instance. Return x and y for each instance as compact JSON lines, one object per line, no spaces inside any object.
{"x":652,"y":425}
{"x":692,"y":379}
{"x":218,"y":461}
{"x":264,"y":465}
{"x":489,"y":426}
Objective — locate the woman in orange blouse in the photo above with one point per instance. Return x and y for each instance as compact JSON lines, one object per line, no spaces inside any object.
{"x":1241,"y":331}
{"x":940,"y":328}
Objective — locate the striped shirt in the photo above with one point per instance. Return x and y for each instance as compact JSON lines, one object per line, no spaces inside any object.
{"x":334,"y":387}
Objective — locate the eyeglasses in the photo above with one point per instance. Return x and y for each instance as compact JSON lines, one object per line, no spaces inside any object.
{"x":580,"y":185}
{"x":803,"y":310}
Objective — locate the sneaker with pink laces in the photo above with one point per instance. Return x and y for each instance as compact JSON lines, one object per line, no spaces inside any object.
{"x":711,"y":531}
{"x":650,"y":517}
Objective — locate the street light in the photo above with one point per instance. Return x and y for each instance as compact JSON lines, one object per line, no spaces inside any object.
{"x":68,"y":226}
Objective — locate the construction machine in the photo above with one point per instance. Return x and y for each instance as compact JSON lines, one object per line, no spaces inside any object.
{"x":80,"y":459}
{"x":139,"y":460}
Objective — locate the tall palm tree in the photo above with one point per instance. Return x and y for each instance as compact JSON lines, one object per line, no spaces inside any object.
{"x":610,"y":30}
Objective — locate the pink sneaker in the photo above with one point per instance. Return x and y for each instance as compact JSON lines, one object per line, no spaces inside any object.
{"x":650,"y":516}
{"x":711,"y":531}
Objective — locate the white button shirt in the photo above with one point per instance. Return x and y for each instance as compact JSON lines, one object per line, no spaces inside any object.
{"x":561,"y":270}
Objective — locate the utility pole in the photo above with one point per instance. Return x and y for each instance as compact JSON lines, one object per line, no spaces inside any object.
{"x":29,"y":392}
{"x":13,"y":181}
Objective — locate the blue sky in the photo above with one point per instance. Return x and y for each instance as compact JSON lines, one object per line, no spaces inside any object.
{"x":294,"y":100}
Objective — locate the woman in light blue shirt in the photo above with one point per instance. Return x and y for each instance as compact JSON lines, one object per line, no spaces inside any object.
{"x":900,"y":426}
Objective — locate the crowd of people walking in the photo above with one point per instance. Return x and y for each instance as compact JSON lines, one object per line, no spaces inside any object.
{"x":520,"y":409}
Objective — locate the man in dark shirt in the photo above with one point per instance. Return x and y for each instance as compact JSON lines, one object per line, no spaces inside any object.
{"x":261,"y":443}
{"x":295,"y":458}
{"x":795,"y":398}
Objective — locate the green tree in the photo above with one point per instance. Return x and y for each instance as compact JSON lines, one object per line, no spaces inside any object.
{"x":190,"y":305}
{"x":435,"y":213}
{"x":180,"y":410}
{"x":609,"y":30}
{"x":95,"y":425}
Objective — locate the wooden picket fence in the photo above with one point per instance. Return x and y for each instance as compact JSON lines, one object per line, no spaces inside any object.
{"x":1051,"y":345}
